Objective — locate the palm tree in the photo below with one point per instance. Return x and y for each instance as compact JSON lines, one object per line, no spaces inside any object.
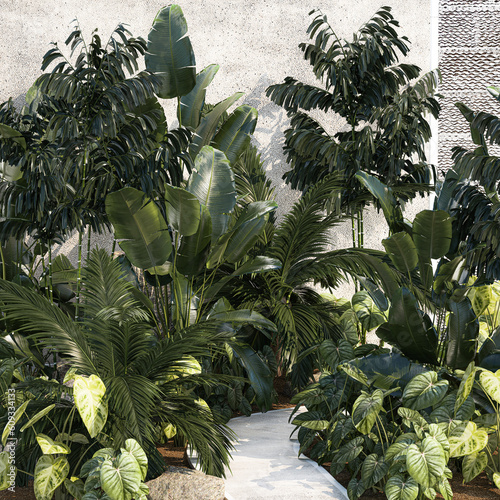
{"x":386,"y":128}
{"x":150,"y":381}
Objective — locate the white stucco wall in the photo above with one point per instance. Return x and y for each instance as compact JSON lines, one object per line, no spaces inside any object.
{"x":255,"y":42}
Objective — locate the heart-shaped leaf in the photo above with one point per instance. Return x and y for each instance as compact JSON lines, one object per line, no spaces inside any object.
{"x":50,"y":473}
{"x":51,"y":447}
{"x":426,"y":461}
{"x":89,"y":400}
{"x":121,"y":478}
{"x":366,"y":409}
{"x":424,"y":390}
{"x":400,"y":488}
{"x":473,"y":465}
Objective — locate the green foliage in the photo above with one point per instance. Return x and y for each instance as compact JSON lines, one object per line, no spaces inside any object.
{"x":363,"y":83}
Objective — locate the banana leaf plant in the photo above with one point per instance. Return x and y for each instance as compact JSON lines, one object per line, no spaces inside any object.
{"x":190,"y":244}
{"x":171,"y":59}
{"x":431,"y":319}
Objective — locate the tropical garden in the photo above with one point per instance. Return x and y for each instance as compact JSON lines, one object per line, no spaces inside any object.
{"x":205,"y":296}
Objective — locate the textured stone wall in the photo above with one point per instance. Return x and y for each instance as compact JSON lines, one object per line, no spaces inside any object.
{"x":469,"y":58}
{"x":255,"y":42}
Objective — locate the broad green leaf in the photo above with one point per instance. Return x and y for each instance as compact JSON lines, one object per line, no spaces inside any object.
{"x":134,"y":448}
{"x":436,"y":433}
{"x":398,"y":450}
{"x":311,"y":420}
{"x":73,"y":438}
{"x":444,"y":487}
{"x":465,"y":385}
{"x":12,"y":420}
{"x":402,"y":252}
{"x":490,"y":382}
{"x":258,"y":373}
{"x":7,"y":132}
{"x":410,"y":329}
{"x":473,"y":465}
{"x":424,"y":390}
{"x":51,"y":447}
{"x":37,"y":417}
{"x":50,"y":473}
{"x":373,"y":470}
{"x":121,"y":478}
{"x":193,"y":251}
{"x":6,"y":477}
{"x":355,"y":488}
{"x":468,"y":440}
{"x":432,"y":233}
{"x":426,"y":461}
{"x":75,"y":487}
{"x":400,"y":488}
{"x":432,"y":238}
{"x":234,"y":134}
{"x":367,"y":312}
{"x":170,"y":431}
{"x":384,"y":196}
{"x":463,"y":330}
{"x":243,"y":235}
{"x":365,"y":410}
{"x":183,"y":210}
{"x":333,"y":352}
{"x":191,"y":105}
{"x":213,"y":184}
{"x":89,"y":396}
{"x":496,"y":479}
{"x":349,"y":451}
{"x":445,"y":410}
{"x":208,"y":125}
{"x":355,"y":373}
{"x":138,"y":222}
{"x":170,"y":55}
{"x":413,"y":417}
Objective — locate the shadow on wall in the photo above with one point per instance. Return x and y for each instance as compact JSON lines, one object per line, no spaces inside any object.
{"x":269,"y":139}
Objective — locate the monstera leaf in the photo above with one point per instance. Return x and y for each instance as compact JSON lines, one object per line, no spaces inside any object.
{"x":170,"y":55}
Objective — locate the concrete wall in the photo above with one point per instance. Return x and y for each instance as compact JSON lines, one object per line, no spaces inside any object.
{"x":255,"y":42}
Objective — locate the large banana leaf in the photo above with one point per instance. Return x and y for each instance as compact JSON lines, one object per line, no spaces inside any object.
{"x":234,"y":244}
{"x":432,"y":232}
{"x":234,"y":135}
{"x":209,"y":123}
{"x":190,"y":106}
{"x":213,"y":184}
{"x":383,"y":194}
{"x":183,"y":210}
{"x":463,"y":331}
{"x":258,"y":373}
{"x":138,"y":222}
{"x":193,"y":250}
{"x":170,"y":55}
{"x":402,"y":252}
{"x":410,"y":329}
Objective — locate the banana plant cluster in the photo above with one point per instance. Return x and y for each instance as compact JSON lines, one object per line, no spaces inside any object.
{"x":398,"y":440}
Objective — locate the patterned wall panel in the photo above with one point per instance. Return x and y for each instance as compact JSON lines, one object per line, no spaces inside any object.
{"x":469,"y":59}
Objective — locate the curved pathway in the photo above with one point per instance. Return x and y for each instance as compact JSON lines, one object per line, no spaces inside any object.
{"x":265,"y":464}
